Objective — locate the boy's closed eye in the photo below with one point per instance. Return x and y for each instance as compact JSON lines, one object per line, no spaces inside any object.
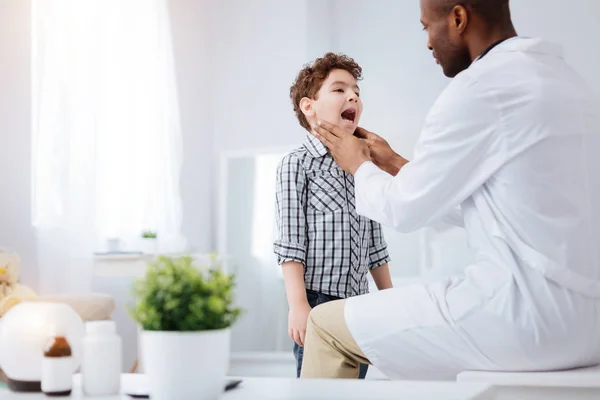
{"x":343,"y":91}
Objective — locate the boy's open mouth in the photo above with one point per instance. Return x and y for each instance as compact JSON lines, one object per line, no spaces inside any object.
{"x":349,"y":115}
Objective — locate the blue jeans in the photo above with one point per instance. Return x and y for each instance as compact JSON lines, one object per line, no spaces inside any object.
{"x":314,"y":299}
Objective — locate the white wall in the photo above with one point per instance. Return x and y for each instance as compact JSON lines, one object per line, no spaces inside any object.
{"x":577,"y":29}
{"x":258,"y":48}
{"x":190,"y":20}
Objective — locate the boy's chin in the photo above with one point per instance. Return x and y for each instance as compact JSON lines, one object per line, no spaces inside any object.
{"x":348,"y":128}
{"x":351,"y":131}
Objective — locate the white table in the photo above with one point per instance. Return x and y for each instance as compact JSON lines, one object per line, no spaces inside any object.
{"x":573,"y":384}
{"x":301,"y":389}
{"x":296,"y":389}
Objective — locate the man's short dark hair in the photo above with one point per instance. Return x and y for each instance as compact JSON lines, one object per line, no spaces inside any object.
{"x":494,"y":12}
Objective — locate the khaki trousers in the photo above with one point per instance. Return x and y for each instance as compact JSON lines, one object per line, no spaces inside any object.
{"x":329,"y":348}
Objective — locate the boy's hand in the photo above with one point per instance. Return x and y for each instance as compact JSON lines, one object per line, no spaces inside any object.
{"x":382,"y":154}
{"x":297,"y":320}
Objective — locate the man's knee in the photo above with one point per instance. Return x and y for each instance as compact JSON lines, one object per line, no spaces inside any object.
{"x":326,"y":316}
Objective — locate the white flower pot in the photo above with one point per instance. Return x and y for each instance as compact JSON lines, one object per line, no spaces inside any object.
{"x":149,"y":246}
{"x":186,"y":365}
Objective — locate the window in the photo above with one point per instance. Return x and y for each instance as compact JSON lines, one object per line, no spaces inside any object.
{"x":106,"y":137}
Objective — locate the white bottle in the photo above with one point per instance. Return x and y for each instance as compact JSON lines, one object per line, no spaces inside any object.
{"x":101,"y":363}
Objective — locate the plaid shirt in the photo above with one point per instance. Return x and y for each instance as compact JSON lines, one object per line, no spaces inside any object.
{"x":318,"y":225}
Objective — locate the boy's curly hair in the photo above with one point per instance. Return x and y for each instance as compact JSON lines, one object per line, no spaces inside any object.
{"x":311,"y":77}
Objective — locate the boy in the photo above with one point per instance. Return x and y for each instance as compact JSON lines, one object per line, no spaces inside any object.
{"x":324,"y":247}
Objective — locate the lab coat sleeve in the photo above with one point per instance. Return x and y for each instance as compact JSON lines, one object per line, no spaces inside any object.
{"x":455,"y":217}
{"x":290,"y":196}
{"x":458,"y":150}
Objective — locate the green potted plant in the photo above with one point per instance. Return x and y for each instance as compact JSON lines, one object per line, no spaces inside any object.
{"x":149,"y":242}
{"x":185,"y":312}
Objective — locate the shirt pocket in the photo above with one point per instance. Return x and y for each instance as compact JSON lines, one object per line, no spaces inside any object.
{"x":326,"y":193}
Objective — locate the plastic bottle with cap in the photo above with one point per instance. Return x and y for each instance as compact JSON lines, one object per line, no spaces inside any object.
{"x":101,"y":364}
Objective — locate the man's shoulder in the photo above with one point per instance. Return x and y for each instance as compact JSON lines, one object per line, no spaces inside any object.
{"x":468,"y":90}
{"x":505,"y":66}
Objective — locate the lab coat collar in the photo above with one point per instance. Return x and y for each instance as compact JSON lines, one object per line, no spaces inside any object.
{"x":528,"y":45}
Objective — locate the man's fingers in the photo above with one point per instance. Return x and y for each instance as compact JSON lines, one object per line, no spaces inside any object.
{"x":361,"y":133}
{"x":324,"y":136}
{"x":370,"y":142}
{"x":326,"y":126}
{"x":302,"y":336}
{"x":333,"y":129}
{"x":365,"y":134}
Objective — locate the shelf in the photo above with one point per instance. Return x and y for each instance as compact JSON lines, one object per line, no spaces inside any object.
{"x":134,"y":265}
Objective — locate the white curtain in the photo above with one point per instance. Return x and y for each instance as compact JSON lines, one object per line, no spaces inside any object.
{"x":106,"y":135}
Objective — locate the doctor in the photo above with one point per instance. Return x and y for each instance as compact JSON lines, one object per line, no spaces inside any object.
{"x":510,"y":151}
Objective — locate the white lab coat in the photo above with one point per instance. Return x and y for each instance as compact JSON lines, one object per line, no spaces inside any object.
{"x":511,"y":144}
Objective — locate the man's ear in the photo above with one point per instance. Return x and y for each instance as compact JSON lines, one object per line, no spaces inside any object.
{"x":306,"y":105}
{"x":460,"y":18}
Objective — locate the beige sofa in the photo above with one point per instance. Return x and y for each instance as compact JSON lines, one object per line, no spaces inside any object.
{"x":90,"y":307}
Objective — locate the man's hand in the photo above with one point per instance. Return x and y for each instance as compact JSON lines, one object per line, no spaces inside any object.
{"x":348,"y":151}
{"x":297,"y":319}
{"x":381,"y":153}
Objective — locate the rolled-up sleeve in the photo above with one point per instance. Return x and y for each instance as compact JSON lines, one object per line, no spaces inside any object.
{"x":290,"y":244}
{"x":378,"y":252}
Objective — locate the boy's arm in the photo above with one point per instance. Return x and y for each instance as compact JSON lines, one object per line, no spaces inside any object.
{"x":379,"y":258}
{"x":381,"y":276}
{"x":293,"y":274}
{"x":290,"y":195}
{"x":290,"y":245}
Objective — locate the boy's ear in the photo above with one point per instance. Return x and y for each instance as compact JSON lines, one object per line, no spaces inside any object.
{"x":306,"y":105}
